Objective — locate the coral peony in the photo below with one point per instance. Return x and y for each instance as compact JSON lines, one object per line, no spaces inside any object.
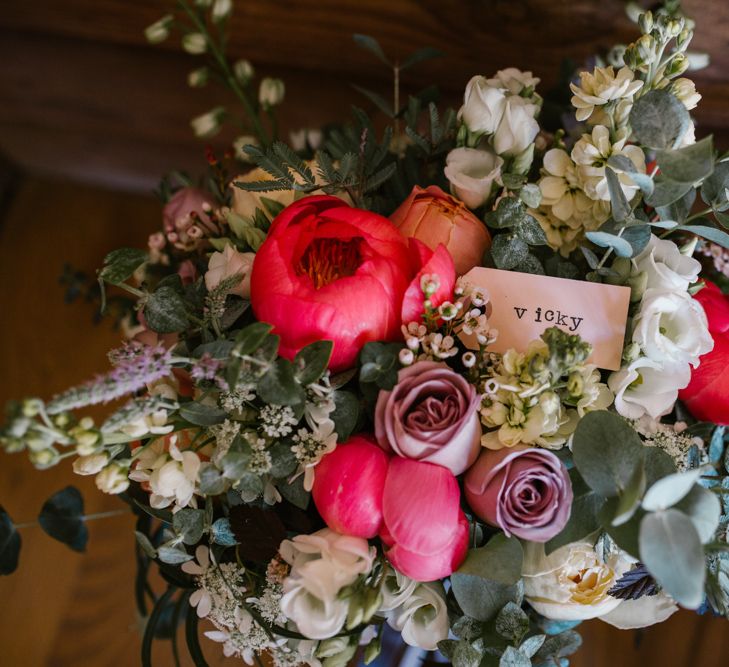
{"x":348,"y":487}
{"x":434,"y":217}
{"x":328,"y":271}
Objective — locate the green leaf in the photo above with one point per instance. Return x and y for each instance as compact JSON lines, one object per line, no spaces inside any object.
{"x":251,"y":337}
{"x":279,"y":386}
{"x":704,"y":509}
{"x":671,"y":550}
{"x":532,"y":644}
{"x":295,"y":492}
{"x":165,"y":311}
{"x":189,"y":524}
{"x":345,"y":415}
{"x":715,"y":189}
{"x":212,"y":483}
{"x":667,"y":191}
{"x":668,"y":491}
{"x":637,"y":235}
{"x":217,"y":349}
{"x":629,"y":499}
{"x":10,"y":543}
{"x":688,"y":164}
{"x":311,"y":361}
{"x":379,"y":364}
{"x":711,"y":233}
{"x":513,"y":657}
{"x":509,"y":213}
{"x":221,"y":533}
{"x":679,"y":210}
{"x":62,"y":517}
{"x":508,"y":251}
{"x":583,"y":520}
{"x":173,"y":554}
{"x":283,"y":460}
{"x":530,"y":264}
{"x":466,"y":655}
{"x":620,"y":207}
{"x":120,"y":264}
{"x":659,"y":119}
{"x":558,"y":646}
{"x":530,"y":231}
{"x":380,"y":102}
{"x":606,"y":452}
{"x":623,"y":163}
{"x":419,"y":56}
{"x":658,"y":464}
{"x":146,"y":546}
{"x":201,"y":414}
{"x":512,"y":623}
{"x":372,"y":45}
{"x":621,"y":247}
{"x":273,"y":207}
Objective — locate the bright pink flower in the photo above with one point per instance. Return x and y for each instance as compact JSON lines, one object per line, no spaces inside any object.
{"x":328,"y":271}
{"x":348,"y":487}
{"x":428,"y":262}
{"x":423,"y":527}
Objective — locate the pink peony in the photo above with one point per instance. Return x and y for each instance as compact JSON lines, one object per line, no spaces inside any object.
{"x":430,"y":415}
{"x":424,"y":529}
{"x":348,"y":487}
{"x":525,"y":491}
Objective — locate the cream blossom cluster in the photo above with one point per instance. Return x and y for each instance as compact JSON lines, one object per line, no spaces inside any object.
{"x":669,"y":334}
{"x":603,"y":95}
{"x":686,"y":450}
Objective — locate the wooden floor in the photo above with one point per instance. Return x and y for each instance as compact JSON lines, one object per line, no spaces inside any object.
{"x":62,"y":609}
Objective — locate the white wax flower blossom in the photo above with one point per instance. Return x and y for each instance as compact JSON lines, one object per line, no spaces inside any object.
{"x":671,"y":328}
{"x":483,"y":106}
{"x":243,"y":71}
{"x":195,"y":43}
{"x":513,"y":80}
{"x":473,"y":174}
{"x":159,"y":31}
{"x":600,"y":87}
{"x":113,"y":479}
{"x":644,"y":387}
{"x":221,"y":10}
{"x":591,"y":154}
{"x":208,"y":124}
{"x":271,"y":92}
{"x":90,"y":464}
{"x":423,"y":617}
{"x":685,"y":90}
{"x":518,"y":128}
{"x":666,"y":267}
{"x":310,"y":446}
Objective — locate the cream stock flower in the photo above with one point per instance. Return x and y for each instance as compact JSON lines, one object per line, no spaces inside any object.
{"x":113,"y":479}
{"x":600,"y":87}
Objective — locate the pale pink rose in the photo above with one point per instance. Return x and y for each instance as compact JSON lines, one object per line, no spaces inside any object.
{"x":430,"y":415}
{"x":434,"y":217}
{"x":424,"y":530}
{"x":225,"y":264}
{"x":348,"y":487}
{"x":525,"y":491}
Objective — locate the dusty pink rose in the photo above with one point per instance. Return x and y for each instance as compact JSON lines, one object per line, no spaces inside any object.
{"x":434,"y":217}
{"x":348,"y":487}
{"x":184,"y":207}
{"x":430,"y":415}
{"x":226,"y":264}
{"x":424,"y":530}
{"x":525,"y":491}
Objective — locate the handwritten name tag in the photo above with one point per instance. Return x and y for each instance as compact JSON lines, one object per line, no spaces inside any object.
{"x":524,"y":305}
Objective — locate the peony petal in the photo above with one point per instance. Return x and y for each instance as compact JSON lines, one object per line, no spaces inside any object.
{"x":439,"y":263}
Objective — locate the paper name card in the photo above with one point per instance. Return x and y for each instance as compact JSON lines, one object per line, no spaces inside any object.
{"x":524,"y":305}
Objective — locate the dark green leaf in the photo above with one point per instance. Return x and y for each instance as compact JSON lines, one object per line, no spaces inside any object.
{"x":189,"y":524}
{"x":667,"y":191}
{"x":201,"y":414}
{"x":512,"y":623}
{"x":283,"y":461}
{"x":295,"y":492}
{"x":711,"y":233}
{"x":508,"y":251}
{"x":419,"y":56}
{"x":345,"y":415}
{"x":380,"y":102}
{"x":217,"y":349}
{"x":688,"y":164}
{"x":714,"y":189}
{"x":558,"y":646}
{"x":311,"y":361}
{"x":121,"y":264}
{"x":624,"y":163}
{"x":62,"y":517}
{"x":583,"y":521}
{"x":530,"y":231}
{"x":279,"y":386}
{"x":9,"y":544}
{"x":659,"y":119}
{"x":509,"y":213}
{"x":165,"y":311}
{"x":679,"y":210}
{"x":372,"y":45}
{"x":251,"y":338}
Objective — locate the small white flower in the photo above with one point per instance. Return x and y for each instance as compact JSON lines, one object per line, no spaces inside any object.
{"x":598,"y":88}
{"x":685,"y":90}
{"x":243,"y":71}
{"x":195,"y":43}
{"x":159,"y":31}
{"x":209,"y":123}
{"x":271,"y":92}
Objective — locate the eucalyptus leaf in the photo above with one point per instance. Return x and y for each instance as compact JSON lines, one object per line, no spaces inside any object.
{"x":679,"y":210}
{"x":10,"y":544}
{"x":508,"y":251}
{"x":688,"y":164}
{"x":667,"y":191}
{"x":629,"y":499}
{"x":642,"y":180}
{"x":311,"y":361}
{"x":345,"y":415}
{"x":583,"y":521}
{"x":251,"y":337}
{"x":279,"y":386}
{"x":532,"y":644}
{"x":201,"y":414}
{"x":531,"y":232}
{"x":165,"y":311}
{"x":145,"y":545}
{"x":715,"y":189}
{"x":659,"y":119}
{"x":513,"y":657}
{"x":212,"y":483}
{"x":621,"y":247}
{"x":62,"y":517}
{"x":221,"y":533}
{"x":668,"y":491}
{"x":512,"y":623}
{"x":189,"y":524}
{"x":711,"y":233}
{"x":620,"y":207}
{"x":173,"y":555}
{"x":558,"y":646}
{"x":704,"y":509}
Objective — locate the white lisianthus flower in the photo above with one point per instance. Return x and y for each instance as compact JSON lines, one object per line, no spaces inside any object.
{"x":591,"y":154}
{"x":473,"y":174}
{"x":113,"y":479}
{"x":685,"y":90}
{"x":90,"y":464}
{"x":644,"y":387}
{"x":483,"y":106}
{"x":518,"y":128}
{"x":666,"y":267}
{"x":600,"y":87}
{"x":396,"y":588}
{"x":671,"y":328}
{"x":513,"y":80}
{"x":321,"y":565}
{"x":423,"y":617}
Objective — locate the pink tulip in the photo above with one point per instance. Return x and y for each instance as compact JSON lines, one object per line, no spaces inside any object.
{"x":423,"y":526}
{"x":348,"y":487}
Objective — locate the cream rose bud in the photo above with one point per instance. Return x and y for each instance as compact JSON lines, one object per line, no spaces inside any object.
{"x":423,"y":617}
{"x":473,"y":174}
{"x":513,"y":80}
{"x":113,"y":479}
{"x":518,"y":128}
{"x":665,"y":266}
{"x":91,"y":464}
{"x":483,"y":106}
{"x":223,"y":265}
{"x":671,"y":328}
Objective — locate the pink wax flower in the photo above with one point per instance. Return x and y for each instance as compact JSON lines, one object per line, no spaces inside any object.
{"x":348,"y":487}
{"x":424,"y":529}
{"x":430,"y":415}
{"x":525,"y":491}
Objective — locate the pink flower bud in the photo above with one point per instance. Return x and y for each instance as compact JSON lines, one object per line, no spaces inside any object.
{"x":348,"y":487}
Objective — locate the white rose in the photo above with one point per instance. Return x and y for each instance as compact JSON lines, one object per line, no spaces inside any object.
{"x":513,"y":80}
{"x":112,"y":479}
{"x":423,"y":617}
{"x":223,"y":265}
{"x":571,"y":583}
{"x":518,"y":128}
{"x":644,"y":387}
{"x":396,"y":589}
{"x":91,"y":464}
{"x":472,"y":174}
{"x":483,"y":106}
{"x":671,"y":328}
{"x":666,"y":267}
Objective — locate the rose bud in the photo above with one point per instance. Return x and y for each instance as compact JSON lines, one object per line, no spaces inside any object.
{"x":525,"y":491}
{"x":424,"y":529}
{"x":348,"y":487}
{"x":707,"y":395}
{"x":434,"y":217}
{"x":430,"y":415}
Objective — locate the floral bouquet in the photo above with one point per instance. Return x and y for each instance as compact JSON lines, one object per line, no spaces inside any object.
{"x":465,"y":380}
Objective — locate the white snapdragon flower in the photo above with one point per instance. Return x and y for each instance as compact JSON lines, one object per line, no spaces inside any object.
{"x":513,"y":80}
{"x":671,"y":328}
{"x":518,"y":128}
{"x":600,"y":87}
{"x":473,"y":174}
{"x":591,"y":154}
{"x":423,"y":617}
{"x":644,"y":387}
{"x":483,"y":106}
{"x":666,"y":267}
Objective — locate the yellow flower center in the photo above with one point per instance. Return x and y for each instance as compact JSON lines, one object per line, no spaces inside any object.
{"x":327,"y":260}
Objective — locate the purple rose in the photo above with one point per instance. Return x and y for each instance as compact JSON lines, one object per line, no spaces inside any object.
{"x":430,"y":415}
{"x":525,"y":491}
